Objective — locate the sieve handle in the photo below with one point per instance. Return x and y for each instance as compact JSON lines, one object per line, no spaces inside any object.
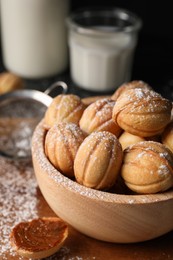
{"x":58,"y":84}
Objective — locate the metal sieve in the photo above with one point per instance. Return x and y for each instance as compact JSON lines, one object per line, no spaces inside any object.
{"x":20,"y":112}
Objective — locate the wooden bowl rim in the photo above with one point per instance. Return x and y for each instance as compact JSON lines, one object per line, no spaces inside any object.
{"x":38,"y":153}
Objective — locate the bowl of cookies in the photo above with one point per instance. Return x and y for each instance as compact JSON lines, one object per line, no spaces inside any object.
{"x":105,"y":165}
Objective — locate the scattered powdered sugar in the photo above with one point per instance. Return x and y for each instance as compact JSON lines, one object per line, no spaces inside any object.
{"x":145,"y":93}
{"x":64,"y":254}
{"x":17,"y":201}
{"x":164,"y":155}
{"x":131,"y":201}
{"x":139,"y":93}
{"x":103,"y":108}
{"x":144,"y":102}
{"x":163,"y":170}
{"x":67,"y":103}
{"x":144,"y":154}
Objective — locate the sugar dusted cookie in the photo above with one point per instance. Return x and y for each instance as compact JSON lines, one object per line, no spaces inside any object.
{"x":142,"y":112}
{"x":98,"y":117}
{"x":148,"y":167}
{"x":130,"y":85}
{"x":64,"y":108}
{"x":98,"y":161}
{"x":61,"y":144}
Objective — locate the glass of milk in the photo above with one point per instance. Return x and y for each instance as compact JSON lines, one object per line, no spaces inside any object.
{"x":102,"y":45}
{"x":34,"y":37}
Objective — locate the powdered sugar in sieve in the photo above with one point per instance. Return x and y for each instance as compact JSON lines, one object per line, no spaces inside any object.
{"x":20,"y":112}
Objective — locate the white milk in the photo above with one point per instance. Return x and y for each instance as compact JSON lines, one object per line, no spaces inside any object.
{"x":102,"y":44}
{"x":101,"y":64}
{"x":34,"y":42}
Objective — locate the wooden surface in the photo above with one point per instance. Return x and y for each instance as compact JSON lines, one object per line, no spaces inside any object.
{"x":77,"y":246}
{"x":115,"y":216}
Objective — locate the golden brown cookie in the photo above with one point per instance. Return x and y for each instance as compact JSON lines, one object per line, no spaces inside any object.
{"x":98,"y":117}
{"x":89,"y":100}
{"x":10,"y":82}
{"x":147,"y":167}
{"x":142,"y":112}
{"x":61,"y":144}
{"x":126,"y":139}
{"x":130,"y":85}
{"x":64,"y":108}
{"x":98,"y":161}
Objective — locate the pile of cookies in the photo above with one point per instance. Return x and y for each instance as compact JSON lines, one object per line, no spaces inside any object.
{"x":126,"y":136}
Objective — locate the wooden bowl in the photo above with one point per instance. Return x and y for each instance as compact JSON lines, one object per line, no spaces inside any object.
{"x":101,"y":215}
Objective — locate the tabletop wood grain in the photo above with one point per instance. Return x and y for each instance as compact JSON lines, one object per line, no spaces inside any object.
{"x":18,"y":177}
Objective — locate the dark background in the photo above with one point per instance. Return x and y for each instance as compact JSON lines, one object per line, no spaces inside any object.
{"x":153,"y":61}
{"x":154,"y":55}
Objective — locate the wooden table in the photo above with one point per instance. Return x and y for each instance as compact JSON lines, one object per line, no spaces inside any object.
{"x":21,"y":200}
